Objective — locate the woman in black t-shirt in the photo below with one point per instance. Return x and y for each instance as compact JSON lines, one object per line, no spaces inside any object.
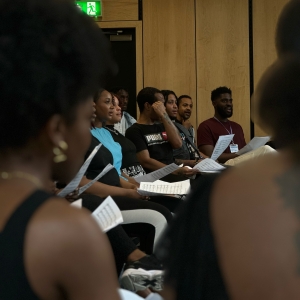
{"x":130,"y":164}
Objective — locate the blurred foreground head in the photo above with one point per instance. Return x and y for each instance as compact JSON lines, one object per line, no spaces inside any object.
{"x":53,"y":58}
{"x":276,"y":101}
{"x":288,"y":29}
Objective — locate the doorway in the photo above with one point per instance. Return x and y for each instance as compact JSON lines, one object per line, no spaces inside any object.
{"x":126,"y":43}
{"x":123,"y":48}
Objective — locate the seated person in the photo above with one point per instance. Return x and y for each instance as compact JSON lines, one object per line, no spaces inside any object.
{"x":124,"y":250}
{"x":130,"y":166}
{"x":52,"y":61}
{"x":209,"y":131}
{"x":126,"y":119}
{"x":154,"y":134}
{"x":180,"y":111}
{"x":112,"y":182}
{"x":248,"y":242}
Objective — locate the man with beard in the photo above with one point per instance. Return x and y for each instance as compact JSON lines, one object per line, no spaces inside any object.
{"x":209,"y":131}
{"x":188,"y":154}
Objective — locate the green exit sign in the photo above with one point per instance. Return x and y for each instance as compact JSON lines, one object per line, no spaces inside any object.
{"x":91,"y":8}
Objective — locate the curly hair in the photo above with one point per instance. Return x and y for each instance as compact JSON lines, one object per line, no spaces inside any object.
{"x":52,"y":56}
{"x":166,"y":94}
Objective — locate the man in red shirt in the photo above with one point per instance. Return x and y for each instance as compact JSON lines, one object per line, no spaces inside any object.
{"x":209,"y":131}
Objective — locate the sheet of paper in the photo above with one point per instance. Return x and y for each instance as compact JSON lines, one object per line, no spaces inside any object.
{"x":221,"y":145}
{"x":151,"y":177}
{"x":164,"y":188}
{"x":208,"y":165}
{"x":255,"y":143}
{"x":77,"y":203}
{"x":105,"y":170}
{"x":108,"y":214}
{"x":74,"y":183}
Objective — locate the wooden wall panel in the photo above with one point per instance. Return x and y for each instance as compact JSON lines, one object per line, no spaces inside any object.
{"x":169,"y":46}
{"x":265,"y":15}
{"x":222,"y":40}
{"x":120,"y":10}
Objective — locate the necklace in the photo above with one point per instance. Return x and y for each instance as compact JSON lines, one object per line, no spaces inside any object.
{"x":21,"y":175}
{"x":112,"y":130}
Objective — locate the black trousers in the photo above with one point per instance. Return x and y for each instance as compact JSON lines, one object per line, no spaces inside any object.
{"x":119,"y":237}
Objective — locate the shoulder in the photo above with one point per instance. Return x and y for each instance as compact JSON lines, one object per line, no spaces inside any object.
{"x":63,"y":242}
{"x":246,"y":179}
{"x":129,"y":117}
{"x":178,"y":124}
{"x":236,"y":125}
{"x":94,"y":142}
{"x":207,"y":123}
{"x":244,"y":190}
{"x":134,"y":129}
{"x":58,"y":233}
{"x":57,"y":221}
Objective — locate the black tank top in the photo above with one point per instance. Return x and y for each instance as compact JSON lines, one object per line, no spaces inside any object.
{"x":188,"y":248}
{"x":13,"y":280}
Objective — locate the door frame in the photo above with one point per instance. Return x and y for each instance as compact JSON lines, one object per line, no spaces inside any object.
{"x":138,"y":25}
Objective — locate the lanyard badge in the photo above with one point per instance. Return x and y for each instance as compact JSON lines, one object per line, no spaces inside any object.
{"x":234,"y":148}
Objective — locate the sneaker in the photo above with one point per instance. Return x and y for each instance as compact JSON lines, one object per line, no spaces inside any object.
{"x":141,"y":274}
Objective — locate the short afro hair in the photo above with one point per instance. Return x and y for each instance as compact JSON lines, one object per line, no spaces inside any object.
{"x":182,"y":97}
{"x":145,"y":95}
{"x":215,"y":94}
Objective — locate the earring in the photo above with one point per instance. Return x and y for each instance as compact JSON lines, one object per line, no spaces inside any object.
{"x":60,"y":156}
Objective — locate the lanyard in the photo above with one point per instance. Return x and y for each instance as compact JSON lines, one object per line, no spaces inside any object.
{"x":229,"y":132}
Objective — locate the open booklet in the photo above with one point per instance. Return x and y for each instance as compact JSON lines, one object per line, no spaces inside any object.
{"x":255,"y":143}
{"x":65,"y":192}
{"x":158,"y":174}
{"x":74,"y":183}
{"x":222,"y":143}
{"x":76,"y":180}
{"x":104,"y":171}
{"x":159,"y":188}
{"x":107,"y":214}
{"x":208,"y":165}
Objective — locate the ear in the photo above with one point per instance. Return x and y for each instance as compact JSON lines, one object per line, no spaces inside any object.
{"x":56,"y":130}
{"x":147,"y":106}
{"x":214,"y":103}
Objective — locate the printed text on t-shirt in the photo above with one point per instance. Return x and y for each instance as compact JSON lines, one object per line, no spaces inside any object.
{"x":153,"y":139}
